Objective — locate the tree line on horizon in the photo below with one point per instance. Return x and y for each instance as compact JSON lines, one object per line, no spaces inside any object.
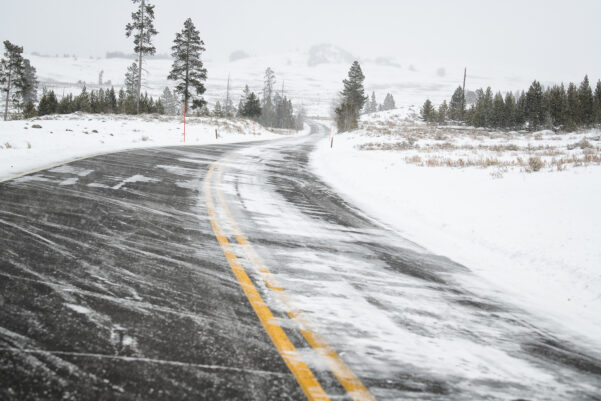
{"x":19,"y":83}
{"x":553,"y":107}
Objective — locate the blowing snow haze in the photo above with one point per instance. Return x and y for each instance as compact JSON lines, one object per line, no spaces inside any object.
{"x":514,"y":38}
{"x":303,"y":200}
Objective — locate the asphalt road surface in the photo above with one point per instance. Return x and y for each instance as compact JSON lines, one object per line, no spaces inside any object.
{"x":234,"y":273}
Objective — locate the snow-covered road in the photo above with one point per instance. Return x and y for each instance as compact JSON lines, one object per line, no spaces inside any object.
{"x":121,"y":278}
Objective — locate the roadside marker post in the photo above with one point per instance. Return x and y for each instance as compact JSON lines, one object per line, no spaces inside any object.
{"x":331,"y":137}
{"x":184,"y":123}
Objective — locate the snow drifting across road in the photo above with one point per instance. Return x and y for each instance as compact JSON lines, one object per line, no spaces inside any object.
{"x":533,"y":238}
{"x":62,"y":138}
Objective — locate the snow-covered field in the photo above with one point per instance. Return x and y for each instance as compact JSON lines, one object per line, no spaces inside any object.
{"x":61,"y":138}
{"x":533,"y":236}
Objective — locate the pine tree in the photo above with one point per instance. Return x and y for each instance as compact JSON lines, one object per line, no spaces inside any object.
{"x":228,"y":105}
{"x":142,"y":28}
{"x":510,"y":110}
{"x":498,"y":111}
{"x":217,"y":111}
{"x":597,"y":102}
{"x":121,"y":101}
{"x":30,"y":87}
{"x":585,"y":97}
{"x":12,"y":74}
{"x":389,"y":102}
{"x":169,"y":102}
{"x":353,"y":99}
{"x":428,"y":113}
{"x":573,"y":114}
{"x":188,"y":70}
{"x":251,"y":107}
{"x":131,"y":80}
{"x":48,"y":104}
{"x":268,"y":116}
{"x":373,"y":104}
{"x":82,"y":102}
{"x":268,"y":85}
{"x":456,"y":104}
{"x":111,"y":100}
{"x":483,"y":111}
{"x":443,"y":110}
{"x":29,"y":110}
{"x":520,"y":111}
{"x":534,"y":106}
{"x":557,"y":105}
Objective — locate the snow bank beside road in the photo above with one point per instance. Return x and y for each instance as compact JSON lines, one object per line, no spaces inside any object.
{"x":65,"y":137}
{"x":535,"y":237}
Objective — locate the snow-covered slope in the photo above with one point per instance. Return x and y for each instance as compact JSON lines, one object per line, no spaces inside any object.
{"x":24,"y":146}
{"x":533,"y":236}
{"x":311,"y":78}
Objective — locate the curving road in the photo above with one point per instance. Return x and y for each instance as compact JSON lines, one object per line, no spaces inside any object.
{"x":234,"y":273}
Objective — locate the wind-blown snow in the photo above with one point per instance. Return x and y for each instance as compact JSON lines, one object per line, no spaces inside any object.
{"x":62,"y":138}
{"x":534,"y":236}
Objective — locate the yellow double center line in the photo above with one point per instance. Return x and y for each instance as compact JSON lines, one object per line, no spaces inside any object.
{"x":303,"y":374}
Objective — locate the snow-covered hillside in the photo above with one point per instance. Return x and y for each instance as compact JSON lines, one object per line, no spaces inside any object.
{"x":41,"y":142}
{"x":311,"y":78}
{"x":534,"y":236}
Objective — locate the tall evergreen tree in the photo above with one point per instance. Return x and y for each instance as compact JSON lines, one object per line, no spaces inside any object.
{"x":442,"y":114}
{"x":597,"y":102}
{"x":142,"y":28}
{"x":188,"y":70}
{"x":428,"y":113}
{"x":48,"y":103}
{"x":251,"y":107}
{"x":353,"y":99}
{"x":520,"y":110}
{"x":373,"y":103}
{"x":585,"y":97}
{"x":483,"y":111}
{"x":557,"y":105}
{"x":498,"y":112}
{"x":268,"y":115}
{"x":30,"y":87}
{"x":245,"y":94}
{"x":534,"y":106}
{"x":131,"y":81}
{"x":169,"y":102}
{"x":389,"y":102}
{"x":456,"y":104}
{"x":510,"y":110}
{"x":573,"y":100}
{"x":12,"y":75}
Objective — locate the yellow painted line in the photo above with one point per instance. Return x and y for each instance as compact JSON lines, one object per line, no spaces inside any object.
{"x":297,"y":366}
{"x":351,"y":383}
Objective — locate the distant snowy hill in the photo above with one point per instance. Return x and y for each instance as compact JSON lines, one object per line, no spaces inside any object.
{"x":311,"y":78}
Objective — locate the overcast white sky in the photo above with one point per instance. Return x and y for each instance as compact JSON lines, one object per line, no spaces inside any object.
{"x":563,"y":36}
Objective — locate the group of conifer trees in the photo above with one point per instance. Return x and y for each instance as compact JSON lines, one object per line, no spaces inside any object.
{"x":371,"y":105}
{"x":98,"y":101}
{"x":18,"y":81}
{"x":553,"y":107}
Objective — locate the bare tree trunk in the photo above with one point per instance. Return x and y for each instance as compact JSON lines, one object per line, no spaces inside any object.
{"x":141,"y":44}
{"x":7,"y":96}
